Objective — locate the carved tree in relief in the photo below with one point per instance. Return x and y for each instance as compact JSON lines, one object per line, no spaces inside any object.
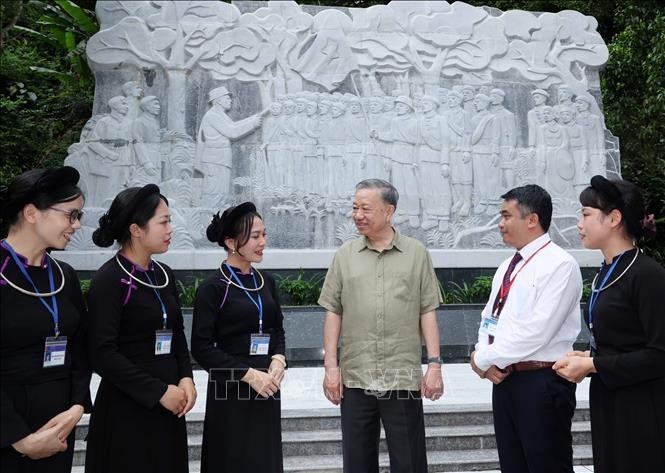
{"x":172,"y":35}
{"x":281,"y":28}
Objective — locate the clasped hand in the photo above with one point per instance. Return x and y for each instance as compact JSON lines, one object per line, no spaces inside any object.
{"x":575,"y":366}
{"x":51,"y":438}
{"x":265,"y":383}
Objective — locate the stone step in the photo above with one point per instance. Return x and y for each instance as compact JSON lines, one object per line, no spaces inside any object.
{"x":311,"y":420}
{"x":325,"y":443}
{"x":438,"y":461}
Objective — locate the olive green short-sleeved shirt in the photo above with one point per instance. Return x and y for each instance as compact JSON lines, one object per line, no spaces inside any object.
{"x":380,"y":297}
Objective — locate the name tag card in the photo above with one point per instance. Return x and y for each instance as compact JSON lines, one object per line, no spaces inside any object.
{"x":55,"y":349}
{"x":259,"y":344}
{"x":163,"y":342}
{"x":488,"y":326}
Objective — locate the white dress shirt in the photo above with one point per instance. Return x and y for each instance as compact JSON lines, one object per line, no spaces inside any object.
{"x":541,"y":316}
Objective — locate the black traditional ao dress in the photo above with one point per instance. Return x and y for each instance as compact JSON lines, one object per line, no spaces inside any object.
{"x":130,"y":431}
{"x":242,"y":431}
{"x":30,"y":395}
{"x":627,"y":395}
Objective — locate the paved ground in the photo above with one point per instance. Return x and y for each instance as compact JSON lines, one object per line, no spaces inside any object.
{"x":301,"y":389}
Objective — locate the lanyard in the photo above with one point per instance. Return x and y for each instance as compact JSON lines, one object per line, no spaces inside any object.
{"x":503,"y":291}
{"x":593,"y":298}
{"x":53,"y":309}
{"x":259,"y":304}
{"x":161,"y":302}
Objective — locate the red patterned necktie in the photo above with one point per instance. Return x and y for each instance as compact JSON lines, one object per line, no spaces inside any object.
{"x":505,"y":286}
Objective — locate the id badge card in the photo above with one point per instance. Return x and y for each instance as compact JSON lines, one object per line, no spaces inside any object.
{"x":259,"y":344}
{"x":163,"y":342}
{"x":488,"y":326}
{"x":55,"y":349}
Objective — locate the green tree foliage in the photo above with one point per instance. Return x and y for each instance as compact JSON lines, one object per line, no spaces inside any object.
{"x":46,"y":88}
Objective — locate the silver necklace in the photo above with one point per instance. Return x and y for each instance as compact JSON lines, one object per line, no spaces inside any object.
{"x":593,"y":283}
{"x":151,"y":286}
{"x":38,"y":294}
{"x":233,"y":283}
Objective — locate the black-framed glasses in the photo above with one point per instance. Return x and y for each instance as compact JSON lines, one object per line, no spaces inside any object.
{"x":73,"y":215}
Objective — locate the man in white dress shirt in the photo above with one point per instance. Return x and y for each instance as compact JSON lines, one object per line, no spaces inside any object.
{"x":531,"y":319}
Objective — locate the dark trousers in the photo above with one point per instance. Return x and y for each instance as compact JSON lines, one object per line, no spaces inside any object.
{"x":533,"y":413}
{"x":401,"y":413}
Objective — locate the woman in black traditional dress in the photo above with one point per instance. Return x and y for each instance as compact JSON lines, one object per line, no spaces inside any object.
{"x":137,"y":344}
{"x":626,"y":319}
{"x":238,"y":337}
{"x":44,"y":372}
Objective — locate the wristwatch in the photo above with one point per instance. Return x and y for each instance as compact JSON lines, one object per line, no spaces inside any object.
{"x":435,"y":359}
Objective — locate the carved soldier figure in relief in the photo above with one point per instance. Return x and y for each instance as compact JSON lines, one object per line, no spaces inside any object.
{"x":578,"y":148}
{"x":378,"y":163}
{"x":403,"y":135}
{"x":485,"y":155}
{"x":534,"y":116}
{"x":434,"y":167}
{"x":336,"y":162}
{"x":274,"y":144}
{"x":507,"y":129}
{"x":357,"y":133}
{"x":443,"y":99}
{"x":213,"y":147}
{"x":290,"y":153}
{"x":554,"y":159}
{"x":459,"y":155}
{"x":146,"y":138}
{"x":468,"y":97}
{"x":313,"y":177}
{"x":564,"y":98}
{"x":594,"y":133}
{"x":133,"y":92}
{"x":110,"y":161}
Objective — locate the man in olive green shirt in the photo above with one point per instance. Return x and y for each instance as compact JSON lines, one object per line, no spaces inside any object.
{"x":380,"y":295}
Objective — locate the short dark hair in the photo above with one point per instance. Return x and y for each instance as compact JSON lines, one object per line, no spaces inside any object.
{"x":134,"y":205}
{"x":532,"y":199}
{"x":609,"y":194}
{"x":386,"y":190}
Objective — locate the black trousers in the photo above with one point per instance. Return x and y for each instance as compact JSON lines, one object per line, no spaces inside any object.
{"x":533,"y":413}
{"x":401,"y":413}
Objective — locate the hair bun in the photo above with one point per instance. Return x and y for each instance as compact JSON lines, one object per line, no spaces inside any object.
{"x":103,"y":236}
{"x":214,"y":229}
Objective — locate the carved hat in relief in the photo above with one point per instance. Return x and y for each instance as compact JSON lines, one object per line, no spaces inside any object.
{"x":217,"y":93}
{"x":542,"y":92}
{"x":405,"y":100}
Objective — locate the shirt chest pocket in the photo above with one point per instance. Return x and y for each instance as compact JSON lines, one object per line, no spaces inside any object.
{"x":400,"y":285}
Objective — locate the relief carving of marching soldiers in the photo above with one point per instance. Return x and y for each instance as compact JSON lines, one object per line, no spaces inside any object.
{"x":291,"y":106}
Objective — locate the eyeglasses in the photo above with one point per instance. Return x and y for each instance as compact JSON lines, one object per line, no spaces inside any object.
{"x":73,"y":215}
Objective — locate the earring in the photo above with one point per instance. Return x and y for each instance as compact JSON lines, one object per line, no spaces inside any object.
{"x":233,"y":251}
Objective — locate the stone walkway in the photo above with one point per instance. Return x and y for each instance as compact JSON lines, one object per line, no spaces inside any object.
{"x":301,"y":390}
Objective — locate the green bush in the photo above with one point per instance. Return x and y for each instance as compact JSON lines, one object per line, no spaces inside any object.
{"x":187,"y":294}
{"x":300,"y":291}
{"x":475,"y":293}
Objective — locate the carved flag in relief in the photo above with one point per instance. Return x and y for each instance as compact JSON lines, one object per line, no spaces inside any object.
{"x":328,"y":60}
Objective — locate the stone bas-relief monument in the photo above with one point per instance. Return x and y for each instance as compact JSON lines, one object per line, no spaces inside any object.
{"x":290,"y":105}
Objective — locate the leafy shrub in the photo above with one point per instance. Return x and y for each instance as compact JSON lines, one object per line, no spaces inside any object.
{"x":187,"y":293}
{"x":464,"y":293}
{"x":300,"y":291}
